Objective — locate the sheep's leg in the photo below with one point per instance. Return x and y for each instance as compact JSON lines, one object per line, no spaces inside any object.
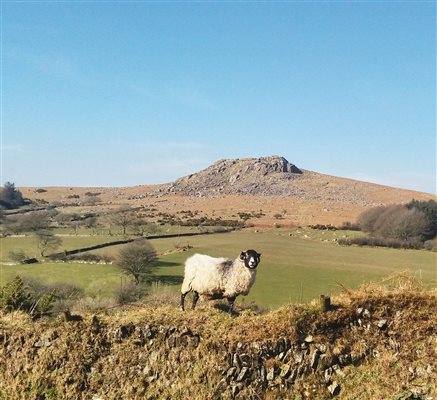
{"x":195,"y":298}
{"x":231,"y":301}
{"x":182,"y":306}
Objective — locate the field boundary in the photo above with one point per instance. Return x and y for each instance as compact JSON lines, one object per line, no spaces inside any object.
{"x":117,"y":242}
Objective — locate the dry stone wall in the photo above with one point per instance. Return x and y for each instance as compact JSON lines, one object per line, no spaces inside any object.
{"x":166,"y":354}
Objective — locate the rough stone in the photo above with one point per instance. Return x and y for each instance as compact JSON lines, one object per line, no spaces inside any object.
{"x":338,"y":370}
{"x":270,"y":374}
{"x":285,"y":371}
{"x":334,"y":388}
{"x":298,"y":357}
{"x":231,"y":372}
{"x":315,"y":359}
{"x":309,"y":339}
{"x":236,"y":389}
{"x":287,"y":356}
{"x":42,"y":343}
{"x":243,"y":374}
{"x":236,"y":360}
{"x":382,"y":324}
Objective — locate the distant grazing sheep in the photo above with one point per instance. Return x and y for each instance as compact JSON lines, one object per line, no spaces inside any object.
{"x":219,"y":278}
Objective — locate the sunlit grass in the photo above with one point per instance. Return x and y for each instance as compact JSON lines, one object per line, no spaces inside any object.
{"x":293,"y":268}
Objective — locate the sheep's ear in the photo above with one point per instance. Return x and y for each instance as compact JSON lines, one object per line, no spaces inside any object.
{"x":242,"y":255}
{"x":259,"y":254}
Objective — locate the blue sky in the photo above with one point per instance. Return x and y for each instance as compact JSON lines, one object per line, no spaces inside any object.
{"x":127,"y":93}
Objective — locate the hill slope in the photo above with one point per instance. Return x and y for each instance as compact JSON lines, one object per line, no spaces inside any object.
{"x":248,"y":185}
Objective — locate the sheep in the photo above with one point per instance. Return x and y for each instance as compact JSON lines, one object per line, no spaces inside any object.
{"x":218,"y":278}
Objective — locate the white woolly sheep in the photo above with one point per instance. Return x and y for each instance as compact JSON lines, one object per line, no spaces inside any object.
{"x":219,"y":278}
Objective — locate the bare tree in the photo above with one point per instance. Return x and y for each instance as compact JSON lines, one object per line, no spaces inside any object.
{"x":368,"y":218}
{"x":395,"y":222}
{"x":136,"y":259}
{"x":141,"y":227}
{"x":123,"y":217}
{"x":47,"y":241}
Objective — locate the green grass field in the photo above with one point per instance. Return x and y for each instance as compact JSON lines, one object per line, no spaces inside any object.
{"x":292,"y":269}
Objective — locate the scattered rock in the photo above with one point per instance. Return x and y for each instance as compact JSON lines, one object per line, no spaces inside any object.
{"x":270,"y":374}
{"x":315,"y":359}
{"x":231,"y":372}
{"x":334,"y":388}
{"x":309,"y":339}
{"x":42,"y":343}
{"x":243,"y":374}
{"x":382,"y":324}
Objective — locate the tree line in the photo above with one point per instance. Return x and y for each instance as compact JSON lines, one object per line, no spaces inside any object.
{"x":412,"y":225}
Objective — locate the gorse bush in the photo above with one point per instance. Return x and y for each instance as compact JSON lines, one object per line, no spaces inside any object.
{"x":10,"y":197}
{"x":34,"y":297}
{"x":17,"y":256}
{"x":15,"y":296}
{"x":431,"y":244}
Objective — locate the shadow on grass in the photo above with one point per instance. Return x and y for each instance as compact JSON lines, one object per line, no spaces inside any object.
{"x":165,"y":279}
{"x":159,"y":264}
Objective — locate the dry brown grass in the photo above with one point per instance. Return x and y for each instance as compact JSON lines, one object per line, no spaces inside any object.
{"x":320,"y":209}
{"x":105,"y":356}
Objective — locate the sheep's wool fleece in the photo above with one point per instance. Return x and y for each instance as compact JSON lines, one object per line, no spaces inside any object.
{"x":212,"y":276}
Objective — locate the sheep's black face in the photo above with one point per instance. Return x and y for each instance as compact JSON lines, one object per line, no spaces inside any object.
{"x":251,"y":258}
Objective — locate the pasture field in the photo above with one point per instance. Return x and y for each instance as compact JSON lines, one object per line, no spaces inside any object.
{"x":30,"y":247}
{"x":71,"y":240}
{"x":293,"y":268}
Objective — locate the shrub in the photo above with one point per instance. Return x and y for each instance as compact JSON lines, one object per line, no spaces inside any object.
{"x":322,"y":227}
{"x":129,"y":292}
{"x":368,"y":218}
{"x":399,"y":222}
{"x":62,"y":290}
{"x":10,"y":197}
{"x":431,"y":244}
{"x":17,"y":256}
{"x":349,"y":226}
{"x":34,"y":297}
{"x":93,"y":304}
{"x":136,"y":259}
{"x":15,"y":296}
{"x":160,"y":295}
{"x":395,"y":222}
{"x":382,"y":242}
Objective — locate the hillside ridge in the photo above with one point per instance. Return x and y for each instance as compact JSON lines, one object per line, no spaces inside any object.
{"x":264,"y":175}
{"x":272,"y":176}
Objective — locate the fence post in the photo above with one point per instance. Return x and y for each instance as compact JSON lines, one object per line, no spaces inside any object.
{"x":325,"y":303}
